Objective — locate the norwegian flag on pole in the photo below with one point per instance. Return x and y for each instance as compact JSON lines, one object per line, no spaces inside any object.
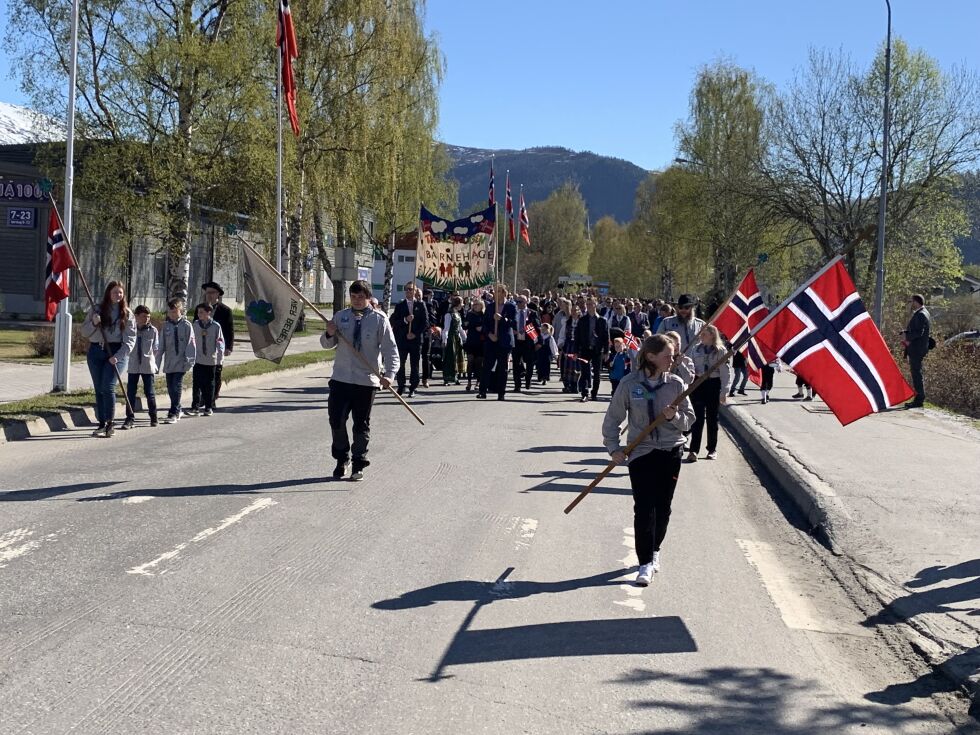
{"x":530,"y":331}
{"x":525,"y":224}
{"x":509,"y":210}
{"x":286,"y":41}
{"x":827,"y":336}
{"x":493,"y":198}
{"x":56,"y":267}
{"x":630,"y":341}
{"x":744,"y":312}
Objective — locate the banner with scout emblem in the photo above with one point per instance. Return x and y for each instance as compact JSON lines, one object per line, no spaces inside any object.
{"x":456,"y":255}
{"x":272,"y":308}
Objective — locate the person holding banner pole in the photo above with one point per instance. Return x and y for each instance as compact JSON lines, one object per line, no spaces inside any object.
{"x":498,"y":324}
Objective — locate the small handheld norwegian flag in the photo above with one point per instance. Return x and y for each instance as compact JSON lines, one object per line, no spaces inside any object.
{"x":631,"y":342}
{"x":530,"y":331}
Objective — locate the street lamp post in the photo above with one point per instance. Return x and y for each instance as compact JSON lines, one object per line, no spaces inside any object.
{"x":883,"y":198}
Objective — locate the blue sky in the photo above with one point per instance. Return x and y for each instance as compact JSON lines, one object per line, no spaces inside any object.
{"x":614,"y":76}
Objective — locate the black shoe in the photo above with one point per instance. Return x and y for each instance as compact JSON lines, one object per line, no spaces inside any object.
{"x":741,"y":392}
{"x":340,"y":470}
{"x":481,"y":396}
{"x":109,"y":431}
{"x":584,"y":399}
{"x":501,"y":397}
{"x":915,"y":404}
{"x":411,"y":393}
{"x":153,"y":421}
{"x":129,"y":423}
{"x":100,"y":430}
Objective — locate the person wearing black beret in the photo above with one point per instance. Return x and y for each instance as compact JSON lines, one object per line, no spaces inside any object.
{"x":223,"y":316}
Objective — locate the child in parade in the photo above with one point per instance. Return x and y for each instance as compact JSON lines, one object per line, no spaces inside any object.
{"x":210,"y":353}
{"x":711,"y":393}
{"x":111,"y":330}
{"x":682,"y":365}
{"x":768,"y":372}
{"x":741,"y":371}
{"x":546,"y":353}
{"x":452,"y":333}
{"x":654,"y":465}
{"x":619,"y":364}
{"x":803,"y":390}
{"x":178,"y":351}
{"x":143,"y":366}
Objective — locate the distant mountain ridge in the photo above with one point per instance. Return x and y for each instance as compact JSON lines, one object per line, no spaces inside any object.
{"x":607,"y":184}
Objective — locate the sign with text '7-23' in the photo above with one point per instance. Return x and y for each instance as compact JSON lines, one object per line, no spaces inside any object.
{"x":22,"y":217}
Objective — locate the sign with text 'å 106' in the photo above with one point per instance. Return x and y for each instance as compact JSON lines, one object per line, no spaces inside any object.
{"x":15,"y":190}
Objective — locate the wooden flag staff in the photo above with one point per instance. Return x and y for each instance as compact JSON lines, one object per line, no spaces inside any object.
{"x":338,"y":334}
{"x":863,"y":235}
{"x":88,"y":292}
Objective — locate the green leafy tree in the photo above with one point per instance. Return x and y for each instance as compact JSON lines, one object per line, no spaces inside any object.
{"x":559,"y":242}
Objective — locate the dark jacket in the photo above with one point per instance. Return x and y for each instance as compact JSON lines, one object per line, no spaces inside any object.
{"x":475,"y":336}
{"x":222,"y":314}
{"x":420,"y":322}
{"x":599,"y":339}
{"x":917,"y":333}
{"x":532,"y":318}
{"x":505,"y":327}
{"x":639,"y":321}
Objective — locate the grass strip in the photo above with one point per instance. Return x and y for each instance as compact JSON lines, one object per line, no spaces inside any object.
{"x":49,"y":404}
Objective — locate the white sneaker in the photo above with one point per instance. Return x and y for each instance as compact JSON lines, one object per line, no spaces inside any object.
{"x":644,"y":576}
{"x":655,"y":564}
{"x":712,"y":455}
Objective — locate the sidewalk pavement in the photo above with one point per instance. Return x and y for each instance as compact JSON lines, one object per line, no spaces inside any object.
{"x":898,"y":494}
{"x":20,"y":381}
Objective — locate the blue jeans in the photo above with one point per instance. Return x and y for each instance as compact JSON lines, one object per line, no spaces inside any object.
{"x":148,"y":391}
{"x":104,"y":380}
{"x":175,"y":386}
{"x":740,"y":373}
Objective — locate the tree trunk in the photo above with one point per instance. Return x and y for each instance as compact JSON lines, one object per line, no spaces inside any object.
{"x":389,"y":273}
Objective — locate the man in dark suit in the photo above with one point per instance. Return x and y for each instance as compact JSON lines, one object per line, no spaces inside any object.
{"x":592,"y":342}
{"x":223,"y":316}
{"x":498,"y":324}
{"x":434,"y":319}
{"x":917,"y":347}
{"x":638,"y":319}
{"x":524,"y":345}
{"x":410,"y":322}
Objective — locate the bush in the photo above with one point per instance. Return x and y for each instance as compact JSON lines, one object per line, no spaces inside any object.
{"x":952,"y":377}
{"x":42,"y":341}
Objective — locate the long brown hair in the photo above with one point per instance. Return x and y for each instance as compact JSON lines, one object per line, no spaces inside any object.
{"x":652,"y":346}
{"x":105,"y":308}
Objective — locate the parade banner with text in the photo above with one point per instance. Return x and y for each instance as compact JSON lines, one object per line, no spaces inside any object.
{"x":271,"y":307}
{"x":456,"y":255}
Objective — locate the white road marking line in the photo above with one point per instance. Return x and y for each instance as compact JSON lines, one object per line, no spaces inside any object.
{"x":17,"y":543}
{"x":796,"y":610}
{"x":138,"y":499}
{"x":633,"y":593}
{"x":147,"y":569}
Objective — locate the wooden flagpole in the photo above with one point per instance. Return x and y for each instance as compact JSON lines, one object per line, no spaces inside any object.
{"x":863,"y":235}
{"x":338,"y":334}
{"x":88,"y":292}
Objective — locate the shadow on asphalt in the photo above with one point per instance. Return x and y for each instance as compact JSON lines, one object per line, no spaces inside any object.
{"x":729,"y":700}
{"x":46,"y":493}
{"x":275,"y":407}
{"x":283,"y":486}
{"x":944,"y":599}
{"x":543,"y":450}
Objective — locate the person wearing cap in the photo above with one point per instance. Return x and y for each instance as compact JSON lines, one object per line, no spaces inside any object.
{"x":223,"y":316}
{"x":353,"y":384}
{"x":685,"y":323}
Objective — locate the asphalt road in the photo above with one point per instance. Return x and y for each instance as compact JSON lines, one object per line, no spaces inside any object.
{"x":208,"y":577}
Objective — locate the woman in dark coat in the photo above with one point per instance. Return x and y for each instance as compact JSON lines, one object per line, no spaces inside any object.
{"x":473,"y":346}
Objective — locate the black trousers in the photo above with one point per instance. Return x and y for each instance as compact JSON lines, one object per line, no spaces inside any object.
{"x":148,"y":390}
{"x":523,"y":363}
{"x":217,"y":382}
{"x":346,"y":399}
{"x":589,"y":379}
{"x":426,"y":349}
{"x":767,"y":376}
{"x":915,"y":367}
{"x":411,"y":349}
{"x":705,"y":399}
{"x":202,"y":391}
{"x":494,"y":369}
{"x":653,"y":478}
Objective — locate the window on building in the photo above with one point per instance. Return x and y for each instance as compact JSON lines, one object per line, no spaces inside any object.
{"x":160,"y":270}
{"x":409,"y":258}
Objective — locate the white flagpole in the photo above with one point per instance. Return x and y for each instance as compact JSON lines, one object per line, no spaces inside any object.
{"x":62,"y":324}
{"x":279,"y":159}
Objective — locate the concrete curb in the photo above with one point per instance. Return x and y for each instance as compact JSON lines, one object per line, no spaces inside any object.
{"x":829,"y":518}
{"x":80,"y":417}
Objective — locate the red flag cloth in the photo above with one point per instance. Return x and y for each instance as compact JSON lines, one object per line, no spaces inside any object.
{"x":630,"y":341}
{"x":509,"y":210}
{"x":493,"y":199}
{"x":525,"y":224}
{"x":286,"y":41}
{"x":530,"y":331}
{"x":56,"y":266}
{"x":827,"y":336}
{"x":744,"y":312}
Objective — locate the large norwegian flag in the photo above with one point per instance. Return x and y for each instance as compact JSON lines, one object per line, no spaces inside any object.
{"x":827,"y":336}
{"x":525,"y":224}
{"x":509,"y":210}
{"x":57,"y":264}
{"x":286,"y":41}
{"x":745,"y":310}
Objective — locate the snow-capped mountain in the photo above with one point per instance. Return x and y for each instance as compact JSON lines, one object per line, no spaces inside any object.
{"x":20,"y":125}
